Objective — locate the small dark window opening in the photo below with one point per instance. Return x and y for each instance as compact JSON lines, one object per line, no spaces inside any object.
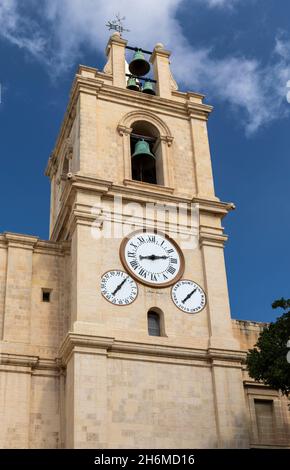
{"x":154,"y":324}
{"x":46,"y":295}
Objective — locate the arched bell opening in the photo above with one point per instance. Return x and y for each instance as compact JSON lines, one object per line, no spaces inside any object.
{"x":146,"y":155}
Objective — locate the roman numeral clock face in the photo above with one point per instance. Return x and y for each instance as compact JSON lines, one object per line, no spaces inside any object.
{"x":152,"y":258}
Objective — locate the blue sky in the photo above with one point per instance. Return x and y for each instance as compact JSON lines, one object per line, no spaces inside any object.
{"x":237,"y":52}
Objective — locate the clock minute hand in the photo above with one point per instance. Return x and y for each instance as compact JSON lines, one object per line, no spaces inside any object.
{"x":188,"y":296}
{"x":119,"y":286}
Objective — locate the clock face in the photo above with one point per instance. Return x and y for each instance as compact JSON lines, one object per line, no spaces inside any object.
{"x":188,"y":296}
{"x":118,"y":288}
{"x":152,"y":258}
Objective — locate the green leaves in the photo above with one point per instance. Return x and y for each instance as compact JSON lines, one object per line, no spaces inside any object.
{"x":267,"y":362}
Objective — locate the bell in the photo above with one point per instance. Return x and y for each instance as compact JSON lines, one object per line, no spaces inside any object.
{"x":142,"y":150}
{"x":132,"y":84}
{"x":139,"y":66}
{"x":143,"y":161}
{"x":148,"y":88}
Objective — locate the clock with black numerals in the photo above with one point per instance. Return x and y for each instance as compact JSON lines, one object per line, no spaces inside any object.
{"x":118,"y":287}
{"x":188,"y":296}
{"x":152,"y":258}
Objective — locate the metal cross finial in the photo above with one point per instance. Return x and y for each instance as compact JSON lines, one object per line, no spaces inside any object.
{"x":117,"y":24}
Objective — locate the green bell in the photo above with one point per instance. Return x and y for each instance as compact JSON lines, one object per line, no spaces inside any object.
{"x":132,"y":84}
{"x":148,"y":88}
{"x":139,"y":66}
{"x":143,"y":162}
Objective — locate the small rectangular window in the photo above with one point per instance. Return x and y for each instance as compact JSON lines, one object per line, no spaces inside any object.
{"x":46,"y":295}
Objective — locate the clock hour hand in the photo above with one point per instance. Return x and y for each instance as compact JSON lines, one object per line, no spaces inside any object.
{"x":153,"y":257}
{"x":119,"y":286}
{"x":188,"y":296}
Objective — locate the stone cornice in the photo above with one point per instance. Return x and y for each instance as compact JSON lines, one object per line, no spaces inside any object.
{"x":218,"y":356}
{"x":252,"y":384}
{"x":198,"y":111}
{"x":110,"y":347}
{"x":31,"y":362}
{"x":155,"y":104}
{"x":213,"y":205}
{"x":72,"y":341}
{"x":26,"y":242}
{"x":210,"y":238}
{"x":16,"y":240}
{"x":131,"y":191}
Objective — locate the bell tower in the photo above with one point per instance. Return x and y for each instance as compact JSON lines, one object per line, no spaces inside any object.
{"x":149,"y":355}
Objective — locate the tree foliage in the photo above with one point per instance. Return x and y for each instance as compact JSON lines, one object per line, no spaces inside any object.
{"x":267,"y":361}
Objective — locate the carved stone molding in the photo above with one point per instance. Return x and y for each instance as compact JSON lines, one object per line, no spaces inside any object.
{"x":144,"y":115}
{"x":167,"y":139}
{"x":124,"y":130}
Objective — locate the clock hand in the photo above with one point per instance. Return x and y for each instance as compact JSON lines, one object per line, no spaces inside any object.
{"x":119,"y":286}
{"x":153,"y":257}
{"x":188,"y":296}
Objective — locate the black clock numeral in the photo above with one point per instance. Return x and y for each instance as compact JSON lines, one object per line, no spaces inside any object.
{"x":171,"y":270}
{"x":131,"y":254}
{"x":164,"y":277}
{"x":141,"y":239}
{"x":132,"y":244}
{"x":153,"y":277}
{"x":173,"y":260}
{"x":134,"y":264}
{"x":152,"y":238}
{"x":170,"y":251}
{"x":143,"y":273}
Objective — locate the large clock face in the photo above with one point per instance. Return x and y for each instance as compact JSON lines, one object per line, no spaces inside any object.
{"x":118,"y":288}
{"x":188,"y":296}
{"x":152,"y":258}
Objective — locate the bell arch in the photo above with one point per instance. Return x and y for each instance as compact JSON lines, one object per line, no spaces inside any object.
{"x":160,"y":140}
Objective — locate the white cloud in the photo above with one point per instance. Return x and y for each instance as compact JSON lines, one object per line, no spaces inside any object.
{"x":20,"y":30}
{"x":221,"y":3}
{"x":64,"y":27}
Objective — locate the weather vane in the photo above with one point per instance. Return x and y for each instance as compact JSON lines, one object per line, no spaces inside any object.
{"x":117,"y":24}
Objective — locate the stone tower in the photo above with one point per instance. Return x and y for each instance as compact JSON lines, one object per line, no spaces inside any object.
{"x":160,"y":367}
{"x":123,"y":386}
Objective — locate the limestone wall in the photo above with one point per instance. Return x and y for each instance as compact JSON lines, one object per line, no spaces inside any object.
{"x":31,"y":331}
